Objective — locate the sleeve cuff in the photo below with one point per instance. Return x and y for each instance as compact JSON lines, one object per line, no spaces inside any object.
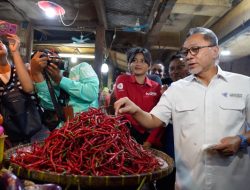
{"x":41,"y":86}
{"x":64,"y":82}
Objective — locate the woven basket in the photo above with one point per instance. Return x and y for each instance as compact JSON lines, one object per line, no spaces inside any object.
{"x":89,"y":181}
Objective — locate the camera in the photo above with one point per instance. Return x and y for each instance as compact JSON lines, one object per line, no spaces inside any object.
{"x":55,"y":59}
{"x":58,"y":61}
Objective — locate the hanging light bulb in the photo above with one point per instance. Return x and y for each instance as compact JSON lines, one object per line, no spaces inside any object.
{"x":137,"y":25}
{"x":104,"y":68}
{"x":73,"y":59}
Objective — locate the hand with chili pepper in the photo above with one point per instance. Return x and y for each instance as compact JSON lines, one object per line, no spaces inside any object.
{"x":147,"y":120}
{"x":125,"y":105}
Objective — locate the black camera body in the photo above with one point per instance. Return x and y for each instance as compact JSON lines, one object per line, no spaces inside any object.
{"x":58,"y":61}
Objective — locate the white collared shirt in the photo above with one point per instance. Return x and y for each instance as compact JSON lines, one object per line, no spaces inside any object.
{"x":203,"y":115}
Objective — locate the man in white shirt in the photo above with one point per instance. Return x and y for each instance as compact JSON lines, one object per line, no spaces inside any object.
{"x":210,"y":110}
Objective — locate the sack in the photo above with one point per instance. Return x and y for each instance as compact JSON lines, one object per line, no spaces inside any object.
{"x":21,"y":116}
{"x":51,"y":120}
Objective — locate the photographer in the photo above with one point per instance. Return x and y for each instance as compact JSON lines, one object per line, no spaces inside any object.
{"x":22,"y":121}
{"x":82,"y":85}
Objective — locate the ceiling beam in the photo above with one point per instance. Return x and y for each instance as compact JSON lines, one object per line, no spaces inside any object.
{"x":65,"y":28}
{"x":123,"y":12}
{"x":153,"y":14}
{"x":164,"y":47}
{"x":20,"y":11}
{"x":162,"y":16}
{"x":233,"y":19}
{"x":101,"y":13}
{"x":163,"y":13}
{"x":171,"y":40}
{"x":78,"y":23}
{"x":197,"y":7}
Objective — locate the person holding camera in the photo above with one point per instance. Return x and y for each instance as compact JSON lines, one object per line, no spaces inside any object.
{"x":21,"y":117}
{"x":82,"y":84}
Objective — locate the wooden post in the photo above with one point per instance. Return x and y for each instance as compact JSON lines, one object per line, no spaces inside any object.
{"x":99,"y":50}
{"x":26,"y":34}
{"x":29,"y":42}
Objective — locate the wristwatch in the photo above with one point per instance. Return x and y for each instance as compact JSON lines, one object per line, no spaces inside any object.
{"x":244,"y":143}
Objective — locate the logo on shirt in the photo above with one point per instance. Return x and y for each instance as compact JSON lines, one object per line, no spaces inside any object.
{"x":224,"y":94}
{"x":119,"y":86}
{"x":151,"y":93}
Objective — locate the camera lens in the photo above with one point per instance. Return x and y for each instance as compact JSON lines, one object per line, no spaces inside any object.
{"x":59,"y":62}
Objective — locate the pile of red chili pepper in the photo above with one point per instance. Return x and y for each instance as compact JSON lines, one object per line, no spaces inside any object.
{"x":92,"y":143}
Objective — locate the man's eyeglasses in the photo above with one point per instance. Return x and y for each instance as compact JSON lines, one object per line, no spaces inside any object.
{"x":193,"y":50}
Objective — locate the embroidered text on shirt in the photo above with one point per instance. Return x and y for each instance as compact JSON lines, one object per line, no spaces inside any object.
{"x":151,"y":93}
{"x":236,"y":95}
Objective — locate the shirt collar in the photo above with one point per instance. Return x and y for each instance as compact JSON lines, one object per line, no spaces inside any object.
{"x":147,"y":81}
{"x":220,"y":74}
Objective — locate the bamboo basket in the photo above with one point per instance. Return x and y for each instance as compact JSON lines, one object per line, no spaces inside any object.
{"x":89,"y":181}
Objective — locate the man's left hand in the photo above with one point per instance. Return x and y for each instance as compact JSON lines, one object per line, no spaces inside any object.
{"x":228,"y":146}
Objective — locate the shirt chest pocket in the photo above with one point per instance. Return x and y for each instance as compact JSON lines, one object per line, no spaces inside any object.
{"x":232,"y":111}
{"x":186,"y":113}
{"x":232,"y":105}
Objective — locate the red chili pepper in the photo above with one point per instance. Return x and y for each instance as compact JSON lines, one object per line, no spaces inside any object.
{"x":91,"y":143}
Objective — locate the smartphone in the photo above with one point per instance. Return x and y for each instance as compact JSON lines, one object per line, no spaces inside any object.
{"x":208,"y":147}
{"x":7,"y":28}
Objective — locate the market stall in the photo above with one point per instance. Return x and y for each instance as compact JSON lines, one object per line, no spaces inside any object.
{"x":91,"y":151}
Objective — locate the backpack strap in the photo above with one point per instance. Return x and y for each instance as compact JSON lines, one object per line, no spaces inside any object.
{"x":56,"y":104}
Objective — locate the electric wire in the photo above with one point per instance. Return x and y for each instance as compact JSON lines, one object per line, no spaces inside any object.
{"x":60,"y":15}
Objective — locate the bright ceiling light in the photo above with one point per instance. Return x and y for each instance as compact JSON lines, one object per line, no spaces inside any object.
{"x":50,"y":12}
{"x":105,"y":68}
{"x":51,"y":9}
